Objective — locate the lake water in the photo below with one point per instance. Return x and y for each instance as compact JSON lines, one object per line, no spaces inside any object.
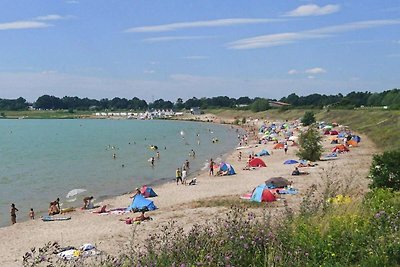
{"x":41,"y":160}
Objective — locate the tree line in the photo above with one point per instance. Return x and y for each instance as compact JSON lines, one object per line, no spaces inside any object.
{"x":390,"y":98}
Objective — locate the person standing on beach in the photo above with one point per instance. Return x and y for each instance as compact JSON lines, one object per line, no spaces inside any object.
{"x":13,"y":209}
{"x":152,"y":161}
{"x":32,"y":214}
{"x":178,"y":176}
{"x":158,"y":154}
{"x":187,"y":165}
{"x":184,"y":176}
{"x":211,"y":167}
{"x":285,"y":147}
{"x":240,"y":155}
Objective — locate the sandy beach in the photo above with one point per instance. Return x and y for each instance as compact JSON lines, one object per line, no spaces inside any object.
{"x":175,"y":202}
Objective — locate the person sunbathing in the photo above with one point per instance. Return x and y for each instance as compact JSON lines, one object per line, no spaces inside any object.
{"x":103,"y":209}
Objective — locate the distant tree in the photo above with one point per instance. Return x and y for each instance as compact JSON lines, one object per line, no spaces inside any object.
{"x":385,"y":171}
{"x":179,"y":104}
{"x":192,"y":102}
{"x":244,"y":100}
{"x":310,"y":147}
{"x":260,"y":104}
{"x":308,"y":118}
{"x":49,"y":102}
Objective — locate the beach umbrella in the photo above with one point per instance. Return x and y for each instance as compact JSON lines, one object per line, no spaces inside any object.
{"x":291,"y":161}
{"x":277,"y":182}
{"x":75,"y":192}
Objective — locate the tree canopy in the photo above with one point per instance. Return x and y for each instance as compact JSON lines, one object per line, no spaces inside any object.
{"x":389,"y":98}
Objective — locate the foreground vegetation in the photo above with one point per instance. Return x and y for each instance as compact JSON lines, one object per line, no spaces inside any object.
{"x":361,"y":232}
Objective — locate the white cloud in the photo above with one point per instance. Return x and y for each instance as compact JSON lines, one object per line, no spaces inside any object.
{"x":196,"y":57}
{"x":20,"y":25}
{"x":315,"y":71}
{"x":293,"y":71}
{"x":50,"y":17}
{"x":313,"y":10}
{"x":72,"y":2}
{"x":198,"y":24}
{"x":149,"y":71}
{"x":174,"y":38}
{"x":279,"y":39}
{"x":311,"y":77}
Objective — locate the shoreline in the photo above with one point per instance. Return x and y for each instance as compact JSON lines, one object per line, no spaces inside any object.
{"x":173,"y":202}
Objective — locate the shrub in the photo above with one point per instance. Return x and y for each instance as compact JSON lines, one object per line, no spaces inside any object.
{"x":385,"y":171}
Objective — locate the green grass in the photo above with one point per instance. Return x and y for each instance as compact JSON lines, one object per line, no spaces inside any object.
{"x":45,"y":114}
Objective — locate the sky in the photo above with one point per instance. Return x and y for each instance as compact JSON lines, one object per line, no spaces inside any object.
{"x":173,"y":49}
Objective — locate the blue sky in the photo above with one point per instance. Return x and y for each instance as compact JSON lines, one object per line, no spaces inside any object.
{"x":182,"y":48}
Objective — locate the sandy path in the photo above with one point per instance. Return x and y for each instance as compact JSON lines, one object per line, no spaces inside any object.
{"x":111,"y":235}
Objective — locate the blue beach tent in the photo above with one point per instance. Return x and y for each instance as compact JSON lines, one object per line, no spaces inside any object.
{"x":263,"y":153}
{"x":291,"y":161}
{"x":139,"y":202}
{"x":227,"y":167}
{"x":262,"y":194}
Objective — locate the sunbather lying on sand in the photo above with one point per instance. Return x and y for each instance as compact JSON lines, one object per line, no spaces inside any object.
{"x":139,"y":218}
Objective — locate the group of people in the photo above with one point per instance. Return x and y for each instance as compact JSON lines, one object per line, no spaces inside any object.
{"x":54,"y":207}
{"x":181,"y":173}
{"x":13,"y":213}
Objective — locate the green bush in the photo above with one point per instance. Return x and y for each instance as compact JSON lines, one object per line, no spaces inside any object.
{"x":308,"y":118}
{"x":310,"y":147}
{"x":385,"y":171}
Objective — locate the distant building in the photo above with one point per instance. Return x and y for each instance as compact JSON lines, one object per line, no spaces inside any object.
{"x":278,"y":104}
{"x":195,"y":111}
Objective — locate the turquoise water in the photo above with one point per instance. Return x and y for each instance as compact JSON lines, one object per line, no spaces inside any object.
{"x":41,"y":160}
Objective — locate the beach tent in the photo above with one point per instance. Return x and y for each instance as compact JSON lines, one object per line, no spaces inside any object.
{"x":139,"y":203}
{"x":275,"y":182}
{"x":147,"y":191}
{"x":293,"y":138}
{"x":327,"y":132}
{"x":263,"y":153}
{"x":262,"y":194}
{"x":333,"y":132}
{"x":356,"y":138}
{"x":341,"y":135}
{"x":257,"y":162}
{"x":278,"y":146}
{"x":340,"y":148}
{"x":227,"y":167}
{"x":352,"y":143}
{"x":290,"y":161}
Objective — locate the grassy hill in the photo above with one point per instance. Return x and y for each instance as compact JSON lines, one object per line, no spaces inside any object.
{"x":381,"y":126}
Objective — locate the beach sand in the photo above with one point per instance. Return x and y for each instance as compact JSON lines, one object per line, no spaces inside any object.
{"x":175,"y":202}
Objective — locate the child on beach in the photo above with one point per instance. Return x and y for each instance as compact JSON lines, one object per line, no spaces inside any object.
{"x":13,"y":209}
{"x":211,"y":167}
{"x":32,"y":214}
